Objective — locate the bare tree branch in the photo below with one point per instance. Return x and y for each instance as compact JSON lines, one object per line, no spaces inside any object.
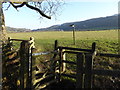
{"x":36,"y":9}
{"x":7,"y":7}
{"x":46,"y":8}
{"x":31,"y":7}
{"x":17,"y":6}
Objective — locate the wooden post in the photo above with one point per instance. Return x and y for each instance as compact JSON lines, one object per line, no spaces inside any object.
{"x":30,"y":72}
{"x":79,"y":69}
{"x":63,"y":64}
{"x":24,"y":68}
{"x":93,"y":47}
{"x":88,"y":71}
{"x":62,"y":57}
{"x":74,"y":35}
{"x":10,"y":43}
{"x":89,"y":66}
{"x":60,"y":63}
{"x":22,"y":45}
{"x":53,"y":58}
{"x":31,"y":47}
{"x":26,"y":64}
{"x":56,"y":45}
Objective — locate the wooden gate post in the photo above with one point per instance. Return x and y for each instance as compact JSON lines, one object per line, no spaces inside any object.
{"x":89,"y":66}
{"x":63,"y":64}
{"x":62,"y":57}
{"x":53,"y":62}
{"x":88,"y":71}
{"x":24,"y":68}
{"x":22,"y":64}
{"x":60,"y":64}
{"x":79,"y":69}
{"x":31,"y":46}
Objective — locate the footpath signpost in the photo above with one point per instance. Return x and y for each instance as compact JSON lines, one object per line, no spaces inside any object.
{"x":72,"y":25}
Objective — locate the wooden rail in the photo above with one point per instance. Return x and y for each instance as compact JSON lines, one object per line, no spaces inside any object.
{"x":114,"y":73}
{"x":70,"y":62}
{"x":77,"y":49}
{"x":108,"y":55}
{"x":10,"y":39}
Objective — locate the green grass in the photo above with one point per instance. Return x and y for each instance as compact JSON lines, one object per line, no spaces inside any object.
{"x":106,"y":40}
{"x":106,"y":34}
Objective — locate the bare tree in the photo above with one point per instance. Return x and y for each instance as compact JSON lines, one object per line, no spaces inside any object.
{"x":46,"y":8}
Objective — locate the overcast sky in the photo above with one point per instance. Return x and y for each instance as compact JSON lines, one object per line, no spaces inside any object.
{"x":73,"y":10}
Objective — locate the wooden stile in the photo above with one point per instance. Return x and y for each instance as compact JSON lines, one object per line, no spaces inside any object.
{"x":84,"y":62}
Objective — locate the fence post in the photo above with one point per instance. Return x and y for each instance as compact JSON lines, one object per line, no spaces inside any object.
{"x":27,"y":65}
{"x":79,"y":69}
{"x":60,"y":64}
{"x":89,"y":67}
{"x":56,"y":45}
{"x":30,"y":70}
{"x":22,"y":58}
{"x":88,"y":71}
{"x":31,"y":47}
{"x":93,"y":47}
{"x":24,"y":68}
{"x":10,"y":43}
{"x":53,"y":63}
{"x":63,"y":58}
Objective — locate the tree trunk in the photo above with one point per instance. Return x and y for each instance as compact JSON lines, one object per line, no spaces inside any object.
{"x":2,"y":26}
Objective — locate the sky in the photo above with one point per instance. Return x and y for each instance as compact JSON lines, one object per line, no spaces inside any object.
{"x":71,"y":11}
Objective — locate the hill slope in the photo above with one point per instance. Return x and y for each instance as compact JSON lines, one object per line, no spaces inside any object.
{"x":102,"y":23}
{"x":11,"y":29}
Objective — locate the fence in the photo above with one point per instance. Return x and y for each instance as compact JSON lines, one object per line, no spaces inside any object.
{"x":87,"y":69}
{"x":84,"y":66}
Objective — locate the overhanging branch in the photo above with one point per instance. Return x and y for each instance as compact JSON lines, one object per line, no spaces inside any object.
{"x":17,"y":6}
{"x":38,"y":10}
{"x":31,"y":7}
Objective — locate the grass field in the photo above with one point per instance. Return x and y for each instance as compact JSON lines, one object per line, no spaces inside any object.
{"x":107,"y":40}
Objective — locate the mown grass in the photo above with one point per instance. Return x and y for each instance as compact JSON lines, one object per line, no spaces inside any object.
{"x":106,"y":40}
